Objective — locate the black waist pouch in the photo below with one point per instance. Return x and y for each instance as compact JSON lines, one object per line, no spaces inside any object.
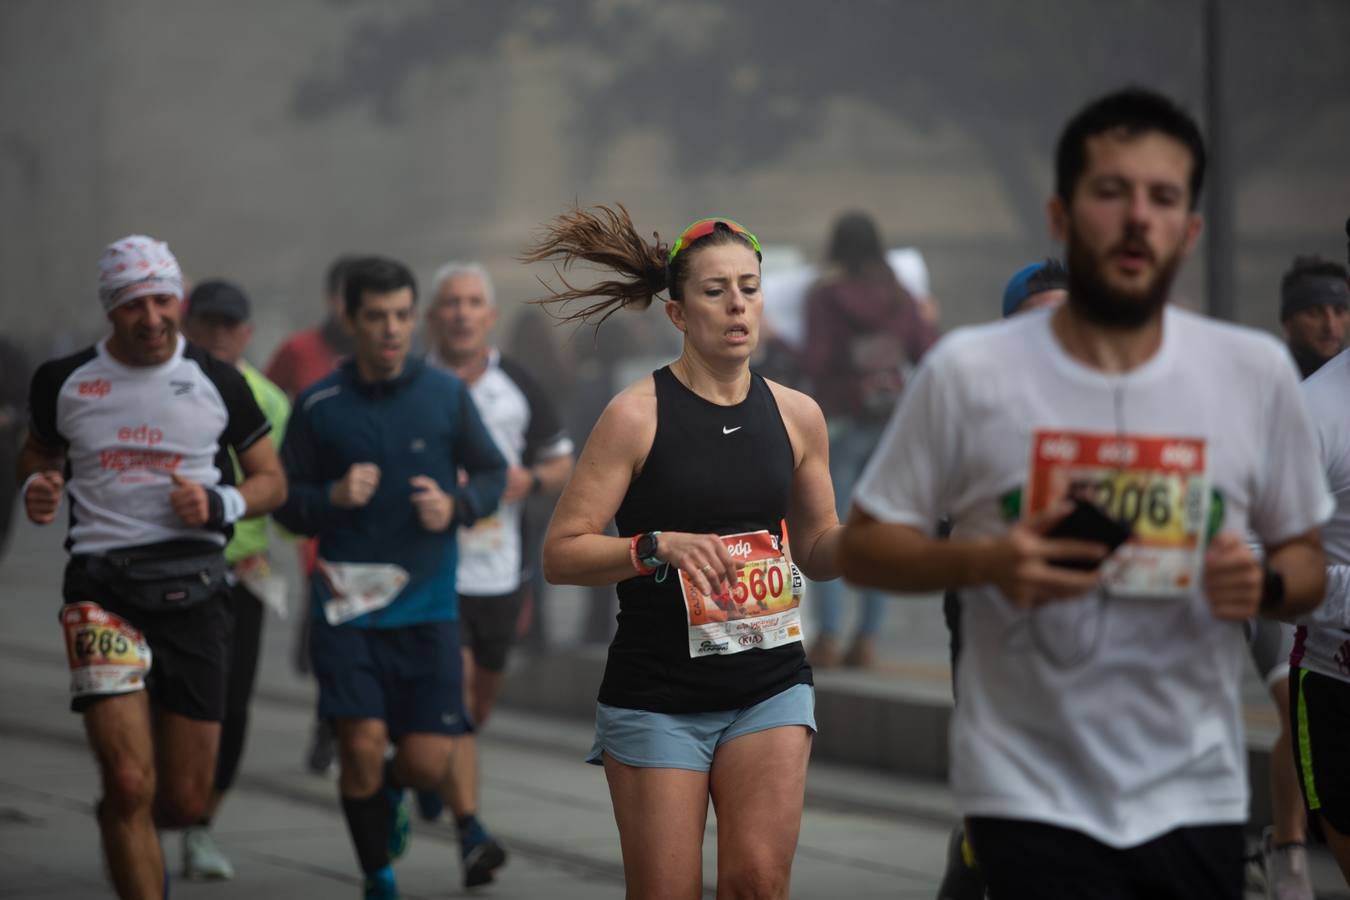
{"x":160,"y":577}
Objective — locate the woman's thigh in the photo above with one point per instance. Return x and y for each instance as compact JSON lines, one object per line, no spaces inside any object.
{"x":758,"y":788}
{"x":661,"y":814}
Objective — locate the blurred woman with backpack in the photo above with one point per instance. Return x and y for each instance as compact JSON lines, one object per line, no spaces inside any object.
{"x":864,"y":331}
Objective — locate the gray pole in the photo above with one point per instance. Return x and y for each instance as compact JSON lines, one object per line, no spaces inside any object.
{"x":1220,"y":284}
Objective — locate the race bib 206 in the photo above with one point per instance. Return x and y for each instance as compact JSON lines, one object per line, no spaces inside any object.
{"x":1159,"y":486}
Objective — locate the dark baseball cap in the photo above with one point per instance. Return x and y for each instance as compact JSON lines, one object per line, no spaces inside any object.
{"x":219,"y":298}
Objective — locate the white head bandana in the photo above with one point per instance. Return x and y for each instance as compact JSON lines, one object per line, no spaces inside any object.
{"x":134,"y":267}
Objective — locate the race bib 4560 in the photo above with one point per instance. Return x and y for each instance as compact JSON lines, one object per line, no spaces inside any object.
{"x":761,"y":610}
{"x":1159,"y":486}
{"x":106,"y":654}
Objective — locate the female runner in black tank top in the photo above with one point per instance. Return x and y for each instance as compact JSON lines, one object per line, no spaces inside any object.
{"x":700,"y":450}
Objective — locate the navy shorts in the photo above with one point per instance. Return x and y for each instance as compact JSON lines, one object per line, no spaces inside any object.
{"x":410,"y":677}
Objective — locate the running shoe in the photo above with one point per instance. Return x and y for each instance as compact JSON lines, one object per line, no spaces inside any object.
{"x":962,"y":880}
{"x":203,"y":859}
{"x":381,"y":885}
{"x":1287,"y":876}
{"x":481,"y":853}
{"x":430,"y":805}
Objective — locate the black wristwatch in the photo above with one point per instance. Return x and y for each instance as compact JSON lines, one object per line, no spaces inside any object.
{"x":646,"y":550}
{"x":1272,"y":589}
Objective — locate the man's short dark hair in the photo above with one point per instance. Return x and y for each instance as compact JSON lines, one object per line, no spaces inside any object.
{"x":1134,"y":111}
{"x":373,"y":275}
{"x":332,"y":278}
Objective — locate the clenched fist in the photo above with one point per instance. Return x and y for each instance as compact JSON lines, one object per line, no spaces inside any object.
{"x":43,"y":497}
{"x":189,"y":501}
{"x":435,"y":508}
{"x":355,"y":489}
{"x":1233,"y":578}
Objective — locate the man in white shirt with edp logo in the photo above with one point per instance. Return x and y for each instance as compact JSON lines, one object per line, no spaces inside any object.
{"x":1097,"y":750}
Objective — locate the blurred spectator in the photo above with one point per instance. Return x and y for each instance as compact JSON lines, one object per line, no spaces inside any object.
{"x":863,"y":330}
{"x":598,"y":380}
{"x":301,"y":360}
{"x":1044,"y":283}
{"x":313,"y":353}
{"x":1315,"y":311}
{"x":14,"y":375}
{"x":532,"y":338}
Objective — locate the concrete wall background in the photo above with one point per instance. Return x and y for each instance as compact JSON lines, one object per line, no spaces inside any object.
{"x":262,"y":139}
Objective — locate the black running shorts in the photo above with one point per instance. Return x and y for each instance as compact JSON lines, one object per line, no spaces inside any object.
{"x":1023,"y":860}
{"x":488,"y":627}
{"x":190,"y":647}
{"x":1319,"y":708}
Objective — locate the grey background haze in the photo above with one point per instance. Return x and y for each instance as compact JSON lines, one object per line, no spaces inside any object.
{"x":260,"y":139}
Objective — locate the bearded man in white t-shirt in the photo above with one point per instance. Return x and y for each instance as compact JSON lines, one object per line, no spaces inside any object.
{"x":1098,"y":750}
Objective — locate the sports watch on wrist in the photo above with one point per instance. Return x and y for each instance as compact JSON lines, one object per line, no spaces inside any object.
{"x":1272,"y":589}
{"x":646,"y":550}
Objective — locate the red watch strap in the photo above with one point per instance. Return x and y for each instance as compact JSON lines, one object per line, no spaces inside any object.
{"x":637,"y":562}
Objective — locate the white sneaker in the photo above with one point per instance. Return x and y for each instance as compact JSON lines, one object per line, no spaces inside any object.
{"x":1287,"y":875}
{"x":202,"y":859}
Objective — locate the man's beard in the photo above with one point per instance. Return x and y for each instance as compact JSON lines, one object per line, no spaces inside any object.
{"x":1308,"y":358}
{"x":1092,"y":298}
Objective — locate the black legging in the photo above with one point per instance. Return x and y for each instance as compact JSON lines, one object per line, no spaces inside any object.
{"x":244,"y":645}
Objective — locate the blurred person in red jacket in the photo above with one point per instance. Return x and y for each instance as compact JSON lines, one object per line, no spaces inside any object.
{"x":302,"y":359}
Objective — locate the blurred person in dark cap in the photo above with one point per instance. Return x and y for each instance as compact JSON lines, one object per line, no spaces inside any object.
{"x":1314,"y":311}
{"x":218,"y":321}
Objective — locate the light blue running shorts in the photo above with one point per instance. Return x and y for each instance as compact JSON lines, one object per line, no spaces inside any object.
{"x":637,"y":737}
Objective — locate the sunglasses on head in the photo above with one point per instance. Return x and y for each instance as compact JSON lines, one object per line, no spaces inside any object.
{"x":703,"y":228}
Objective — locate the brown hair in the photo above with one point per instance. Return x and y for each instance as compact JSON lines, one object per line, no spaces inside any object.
{"x":608,"y":238}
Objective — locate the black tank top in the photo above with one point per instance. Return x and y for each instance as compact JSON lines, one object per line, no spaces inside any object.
{"x":711,"y":470}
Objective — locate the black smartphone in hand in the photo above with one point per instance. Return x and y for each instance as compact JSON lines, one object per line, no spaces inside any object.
{"x":1088,"y":522}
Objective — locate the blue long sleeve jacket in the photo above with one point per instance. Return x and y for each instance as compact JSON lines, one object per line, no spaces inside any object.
{"x":423,"y":422}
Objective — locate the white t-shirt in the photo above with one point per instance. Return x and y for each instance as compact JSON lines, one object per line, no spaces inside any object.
{"x":526,"y":429}
{"x":126,"y":430}
{"x":1322,"y":641}
{"x":1117,"y":715}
